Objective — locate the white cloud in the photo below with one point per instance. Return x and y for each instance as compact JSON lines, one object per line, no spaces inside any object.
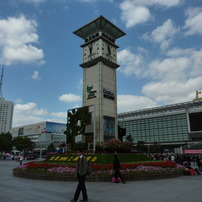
{"x":176,"y":52}
{"x":166,"y":3}
{"x":131,"y":102}
{"x":172,"y":91}
{"x":133,"y":14}
{"x":137,"y":11}
{"x":27,"y":114}
{"x":89,"y":1}
{"x":173,"y":79}
{"x":93,"y":1}
{"x":163,"y":34}
{"x":131,"y":63}
{"x":59,"y":114}
{"x":30,"y":108}
{"x":168,"y":69}
{"x":17,"y":36}
{"x":34,"y":1}
{"x":36,"y":75}
{"x":69,"y":98}
{"x":194,"y":58}
{"x":193,"y":23}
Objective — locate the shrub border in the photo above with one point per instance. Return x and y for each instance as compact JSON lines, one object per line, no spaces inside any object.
{"x":92,"y":178}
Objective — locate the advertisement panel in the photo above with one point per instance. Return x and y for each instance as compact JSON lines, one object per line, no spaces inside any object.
{"x":32,"y":129}
{"x":54,"y":127}
{"x":109,"y":128}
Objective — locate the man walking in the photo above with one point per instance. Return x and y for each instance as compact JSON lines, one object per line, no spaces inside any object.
{"x":81,"y":171}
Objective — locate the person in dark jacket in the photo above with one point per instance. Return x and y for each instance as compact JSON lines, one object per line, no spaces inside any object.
{"x":117,"y":166}
{"x":198,"y":162}
{"x":81,"y":171}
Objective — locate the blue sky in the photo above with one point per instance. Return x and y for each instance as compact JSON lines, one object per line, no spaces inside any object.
{"x":160,"y":56}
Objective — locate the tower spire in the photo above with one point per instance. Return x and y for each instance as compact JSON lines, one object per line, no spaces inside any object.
{"x":1,"y":82}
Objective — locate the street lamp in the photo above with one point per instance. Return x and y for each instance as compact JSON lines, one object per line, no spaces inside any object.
{"x":94,"y":130}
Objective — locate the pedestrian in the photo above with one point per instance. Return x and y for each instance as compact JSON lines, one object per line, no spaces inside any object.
{"x":117,"y":166}
{"x":198,"y":162}
{"x":20,"y":158}
{"x":81,"y":171}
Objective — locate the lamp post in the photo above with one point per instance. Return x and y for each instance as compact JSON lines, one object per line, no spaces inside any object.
{"x":94,"y":130}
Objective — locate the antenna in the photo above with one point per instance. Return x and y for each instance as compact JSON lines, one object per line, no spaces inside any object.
{"x":1,"y":82}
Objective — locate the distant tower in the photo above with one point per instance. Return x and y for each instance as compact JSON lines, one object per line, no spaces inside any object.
{"x":1,"y":83}
{"x":6,"y":110}
{"x":99,"y":74}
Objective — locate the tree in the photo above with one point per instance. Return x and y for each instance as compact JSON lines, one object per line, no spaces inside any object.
{"x":129,"y":138}
{"x":51,"y":147}
{"x":141,"y":146}
{"x":77,"y":120}
{"x":23,"y":143}
{"x":156,"y":148}
{"x":121,"y":133}
{"x":5,"y":142}
{"x":127,"y":146}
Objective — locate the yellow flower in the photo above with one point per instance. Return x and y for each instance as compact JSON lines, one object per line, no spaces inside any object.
{"x":88,"y":158}
{"x":94,"y":159}
{"x":76,"y":158}
{"x":56,"y":158}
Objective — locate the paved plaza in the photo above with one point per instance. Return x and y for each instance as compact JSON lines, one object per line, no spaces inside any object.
{"x":180,"y":189}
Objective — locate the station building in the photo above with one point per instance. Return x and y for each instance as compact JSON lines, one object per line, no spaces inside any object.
{"x":42,"y":134}
{"x":172,"y":126}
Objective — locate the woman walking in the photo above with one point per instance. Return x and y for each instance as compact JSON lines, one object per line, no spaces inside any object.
{"x":117,"y":166}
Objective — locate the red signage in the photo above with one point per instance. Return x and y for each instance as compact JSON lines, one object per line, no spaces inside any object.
{"x":192,"y":151}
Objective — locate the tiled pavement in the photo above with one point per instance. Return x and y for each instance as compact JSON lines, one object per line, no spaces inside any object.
{"x":180,"y":189}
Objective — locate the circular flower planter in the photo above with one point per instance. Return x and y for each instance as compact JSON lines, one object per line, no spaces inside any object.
{"x":94,"y":178}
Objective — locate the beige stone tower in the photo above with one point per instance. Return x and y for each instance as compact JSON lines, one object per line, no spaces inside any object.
{"x":99,"y":74}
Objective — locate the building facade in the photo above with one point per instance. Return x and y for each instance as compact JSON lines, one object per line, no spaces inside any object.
{"x":6,"y":115}
{"x":42,"y":134}
{"x":172,"y":125}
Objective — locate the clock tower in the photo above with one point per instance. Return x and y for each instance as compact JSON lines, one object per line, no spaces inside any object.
{"x":99,"y":74}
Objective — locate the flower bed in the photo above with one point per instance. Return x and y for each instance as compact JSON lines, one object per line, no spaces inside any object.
{"x":130,"y":171}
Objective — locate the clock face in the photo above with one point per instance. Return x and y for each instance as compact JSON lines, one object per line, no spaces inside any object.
{"x":109,"y":51}
{"x":93,"y":50}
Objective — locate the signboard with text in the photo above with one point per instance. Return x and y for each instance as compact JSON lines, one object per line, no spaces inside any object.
{"x":192,"y":151}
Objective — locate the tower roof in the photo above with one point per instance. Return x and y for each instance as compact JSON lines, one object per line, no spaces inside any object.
{"x":99,"y":24}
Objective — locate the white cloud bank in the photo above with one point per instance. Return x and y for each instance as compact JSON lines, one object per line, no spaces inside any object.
{"x":134,"y":12}
{"x":131,"y":102}
{"x":28,"y":114}
{"x":163,"y":35}
{"x":193,"y":23}
{"x":34,"y":1}
{"x":17,"y":35}
{"x":174,"y":78}
{"x":69,"y":98}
